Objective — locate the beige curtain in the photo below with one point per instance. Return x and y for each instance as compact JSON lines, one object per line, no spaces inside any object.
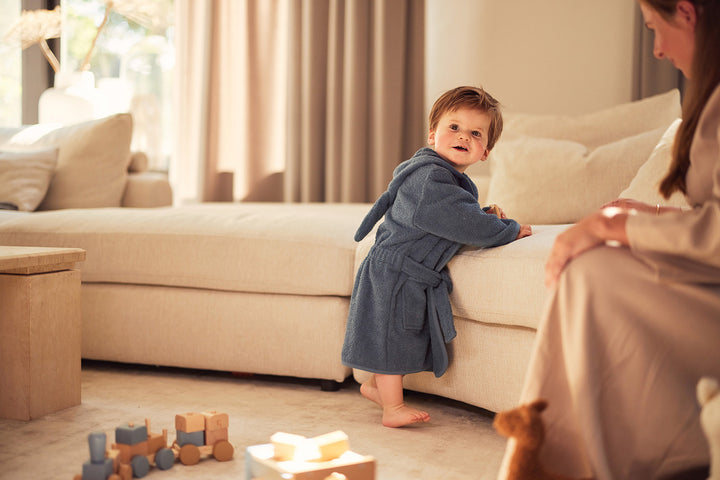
{"x":193,"y":47}
{"x":303,"y":100}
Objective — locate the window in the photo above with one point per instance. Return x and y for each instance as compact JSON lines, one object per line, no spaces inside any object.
{"x":132,"y":60}
{"x":129,"y":54}
{"x":11,"y":68}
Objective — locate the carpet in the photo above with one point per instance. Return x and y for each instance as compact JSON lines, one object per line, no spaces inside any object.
{"x":458,"y":443}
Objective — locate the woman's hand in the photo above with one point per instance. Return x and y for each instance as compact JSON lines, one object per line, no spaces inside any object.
{"x":525,"y":231}
{"x":593,"y":230}
{"x":630,"y":204}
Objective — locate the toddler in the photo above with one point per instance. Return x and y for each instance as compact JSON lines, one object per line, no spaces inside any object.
{"x":400,"y":317}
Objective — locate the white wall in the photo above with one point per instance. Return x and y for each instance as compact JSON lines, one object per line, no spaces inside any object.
{"x":549,"y":56}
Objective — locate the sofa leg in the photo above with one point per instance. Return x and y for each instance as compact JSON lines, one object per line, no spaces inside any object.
{"x":329,"y":385}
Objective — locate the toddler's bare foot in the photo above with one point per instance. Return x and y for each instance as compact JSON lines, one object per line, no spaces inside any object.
{"x":369,"y":390}
{"x":400,"y":415}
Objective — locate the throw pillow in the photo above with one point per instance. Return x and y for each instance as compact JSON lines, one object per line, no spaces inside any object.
{"x":93,"y":158}
{"x":644,"y":187}
{"x":592,"y":129}
{"x":92,"y":165}
{"x":547,"y":181}
{"x":601,"y":127}
{"x":25,"y":176}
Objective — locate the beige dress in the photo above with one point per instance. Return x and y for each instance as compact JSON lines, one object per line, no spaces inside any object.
{"x":628,"y":333}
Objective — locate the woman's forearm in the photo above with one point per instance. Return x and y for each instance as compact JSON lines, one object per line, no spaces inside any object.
{"x":602,"y":227}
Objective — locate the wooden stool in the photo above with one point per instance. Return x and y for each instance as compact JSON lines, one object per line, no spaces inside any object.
{"x":40,"y":328}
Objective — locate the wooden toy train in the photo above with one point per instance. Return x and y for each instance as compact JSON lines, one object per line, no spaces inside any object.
{"x":136,"y":448}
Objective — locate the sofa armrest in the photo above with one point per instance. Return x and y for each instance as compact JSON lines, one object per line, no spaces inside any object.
{"x":147,"y":189}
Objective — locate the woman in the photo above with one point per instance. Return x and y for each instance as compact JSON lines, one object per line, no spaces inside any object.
{"x":632,"y":327}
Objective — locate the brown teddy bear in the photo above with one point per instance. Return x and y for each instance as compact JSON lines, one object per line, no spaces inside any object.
{"x":524,"y":426}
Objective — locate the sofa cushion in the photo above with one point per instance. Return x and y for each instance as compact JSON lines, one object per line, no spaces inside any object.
{"x":644,"y":187}
{"x":600,"y":127}
{"x":25,"y":177}
{"x":92,"y":163}
{"x":592,"y":129}
{"x":547,"y":181}
{"x":305,"y":249}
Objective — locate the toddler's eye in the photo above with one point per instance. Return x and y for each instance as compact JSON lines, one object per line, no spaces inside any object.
{"x":476,"y":133}
{"x":453,"y":127}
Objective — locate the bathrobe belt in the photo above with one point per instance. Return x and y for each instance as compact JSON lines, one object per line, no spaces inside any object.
{"x":439,"y":311}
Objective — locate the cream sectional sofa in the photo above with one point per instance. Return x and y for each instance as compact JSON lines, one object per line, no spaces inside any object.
{"x":264,"y":288}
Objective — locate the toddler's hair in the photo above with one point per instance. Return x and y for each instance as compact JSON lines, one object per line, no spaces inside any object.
{"x":469,"y":97}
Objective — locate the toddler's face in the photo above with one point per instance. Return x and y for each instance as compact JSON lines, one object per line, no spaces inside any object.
{"x":461,"y":137}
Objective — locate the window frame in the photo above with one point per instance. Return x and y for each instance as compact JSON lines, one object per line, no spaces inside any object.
{"x":37,"y":75}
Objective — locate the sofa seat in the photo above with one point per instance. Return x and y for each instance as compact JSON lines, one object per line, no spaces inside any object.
{"x":303,"y":249}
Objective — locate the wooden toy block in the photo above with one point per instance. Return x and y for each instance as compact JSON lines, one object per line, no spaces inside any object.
{"x":189,"y":422}
{"x":215,"y":420}
{"x":127,"y":452}
{"x":286,"y":444}
{"x":97,"y":471}
{"x":125,"y":472}
{"x":114,"y":455}
{"x":332,"y":445}
{"x":213,"y":436}
{"x":260,"y":462}
{"x":191,"y":438}
{"x":156,"y":441}
{"x":97,"y":441}
{"x":131,"y":434}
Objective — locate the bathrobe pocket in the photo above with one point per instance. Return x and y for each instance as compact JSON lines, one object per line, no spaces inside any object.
{"x":411,"y":305}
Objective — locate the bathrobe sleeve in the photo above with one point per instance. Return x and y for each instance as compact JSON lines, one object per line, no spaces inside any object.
{"x":686,"y":246}
{"x":447,"y":210}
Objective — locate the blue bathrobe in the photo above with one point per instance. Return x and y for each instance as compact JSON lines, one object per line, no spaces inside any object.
{"x":400,"y":317}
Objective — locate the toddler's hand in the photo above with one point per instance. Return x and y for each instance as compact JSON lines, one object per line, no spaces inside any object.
{"x":496,"y":210}
{"x":525,"y":231}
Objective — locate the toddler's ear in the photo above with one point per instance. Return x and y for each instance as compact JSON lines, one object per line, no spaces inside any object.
{"x":431,"y":137}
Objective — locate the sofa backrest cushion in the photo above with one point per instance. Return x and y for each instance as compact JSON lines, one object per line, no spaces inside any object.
{"x":591,"y":129}
{"x":558,"y":168}
{"x":546,"y":181}
{"x":601,"y":127}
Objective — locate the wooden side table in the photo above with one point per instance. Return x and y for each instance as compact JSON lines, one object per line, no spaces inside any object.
{"x":40,"y":330}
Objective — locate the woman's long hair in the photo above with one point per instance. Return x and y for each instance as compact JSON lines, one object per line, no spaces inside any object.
{"x":705,"y":72}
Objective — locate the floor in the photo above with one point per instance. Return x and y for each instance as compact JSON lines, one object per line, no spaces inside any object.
{"x":458,"y":443}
